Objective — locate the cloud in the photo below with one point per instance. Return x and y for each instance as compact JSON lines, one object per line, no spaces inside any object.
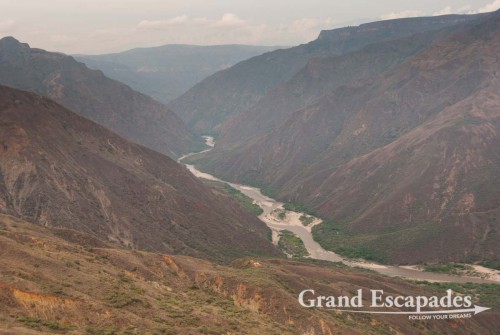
{"x":162,"y":24}
{"x":445,"y":11}
{"x":490,"y":7}
{"x":449,"y":10}
{"x":224,"y":28}
{"x":229,"y":20}
{"x":399,"y":15}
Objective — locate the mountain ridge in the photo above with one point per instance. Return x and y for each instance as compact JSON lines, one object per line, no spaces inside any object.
{"x":165,"y":72}
{"x":207,"y":105}
{"x":94,"y":96}
{"x":352,"y":170}
{"x":60,"y":170}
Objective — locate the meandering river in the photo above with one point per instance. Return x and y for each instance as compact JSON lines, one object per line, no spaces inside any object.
{"x":291,"y":222}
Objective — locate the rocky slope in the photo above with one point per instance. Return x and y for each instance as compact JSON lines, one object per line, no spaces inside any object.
{"x":48,"y":286}
{"x":319,"y":77}
{"x":404,"y":165}
{"x":91,"y":94}
{"x":60,"y":170}
{"x":211,"y":102}
{"x":167,"y":71}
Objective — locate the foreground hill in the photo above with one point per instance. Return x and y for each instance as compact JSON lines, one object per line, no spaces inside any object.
{"x":211,"y":102}
{"x":48,"y":286}
{"x":89,"y":93}
{"x":167,"y":71}
{"x":405,"y":166}
{"x":60,"y":170}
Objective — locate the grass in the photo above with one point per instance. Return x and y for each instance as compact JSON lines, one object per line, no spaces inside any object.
{"x":292,"y":245}
{"x":90,"y":330}
{"x":39,"y":324}
{"x":119,"y":299}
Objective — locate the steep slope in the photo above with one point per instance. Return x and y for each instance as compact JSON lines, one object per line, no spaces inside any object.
{"x":92,"y":95}
{"x":318,"y":77}
{"x":211,"y":102}
{"x":167,"y":71}
{"x":50,"y":286}
{"x":406,"y":165}
{"x":60,"y":170}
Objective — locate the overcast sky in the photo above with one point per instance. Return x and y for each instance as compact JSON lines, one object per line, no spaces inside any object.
{"x":89,"y":26}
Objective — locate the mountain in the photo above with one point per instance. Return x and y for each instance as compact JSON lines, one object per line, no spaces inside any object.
{"x":60,"y":170}
{"x":207,"y":105}
{"x":167,"y":71}
{"x":114,"y":105}
{"x":403,"y":166}
{"x":319,"y":77}
{"x":51,"y":286}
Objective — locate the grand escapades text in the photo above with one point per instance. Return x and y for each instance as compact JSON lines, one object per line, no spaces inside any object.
{"x":308,"y":298}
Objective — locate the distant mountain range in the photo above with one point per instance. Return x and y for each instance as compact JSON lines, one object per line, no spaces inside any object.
{"x":388,"y":131}
{"x":167,"y":71}
{"x":60,"y":170}
{"x":210,"y":103}
{"x":398,"y":152}
{"x":89,"y":93}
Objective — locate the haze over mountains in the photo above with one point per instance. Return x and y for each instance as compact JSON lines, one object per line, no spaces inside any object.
{"x":112,"y":104}
{"x":165,"y":72}
{"x":404,"y":165}
{"x":388,"y":131}
{"x":60,"y":170}
{"x":211,"y":102}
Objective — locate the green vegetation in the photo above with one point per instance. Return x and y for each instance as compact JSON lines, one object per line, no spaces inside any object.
{"x":306,"y":219}
{"x":491,"y":263}
{"x":455,"y":269}
{"x":361,"y":251}
{"x":120,"y":296}
{"x":119,"y":299}
{"x":270,"y":235}
{"x":282,"y":215}
{"x":377,"y":245}
{"x":292,"y":245}
{"x":239,"y":196}
{"x":266,"y":190}
{"x":300,"y":208}
{"x":39,"y":324}
{"x":244,"y":200}
{"x":89,"y":330}
{"x":335,"y":237}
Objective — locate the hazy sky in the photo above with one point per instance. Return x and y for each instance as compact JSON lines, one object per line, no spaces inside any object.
{"x":89,"y":26}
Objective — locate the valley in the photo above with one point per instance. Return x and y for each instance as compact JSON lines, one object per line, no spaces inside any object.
{"x":180,"y":188}
{"x":291,"y":222}
{"x":401,"y":160}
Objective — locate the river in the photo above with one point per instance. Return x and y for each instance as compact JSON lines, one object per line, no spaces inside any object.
{"x":291,"y":222}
